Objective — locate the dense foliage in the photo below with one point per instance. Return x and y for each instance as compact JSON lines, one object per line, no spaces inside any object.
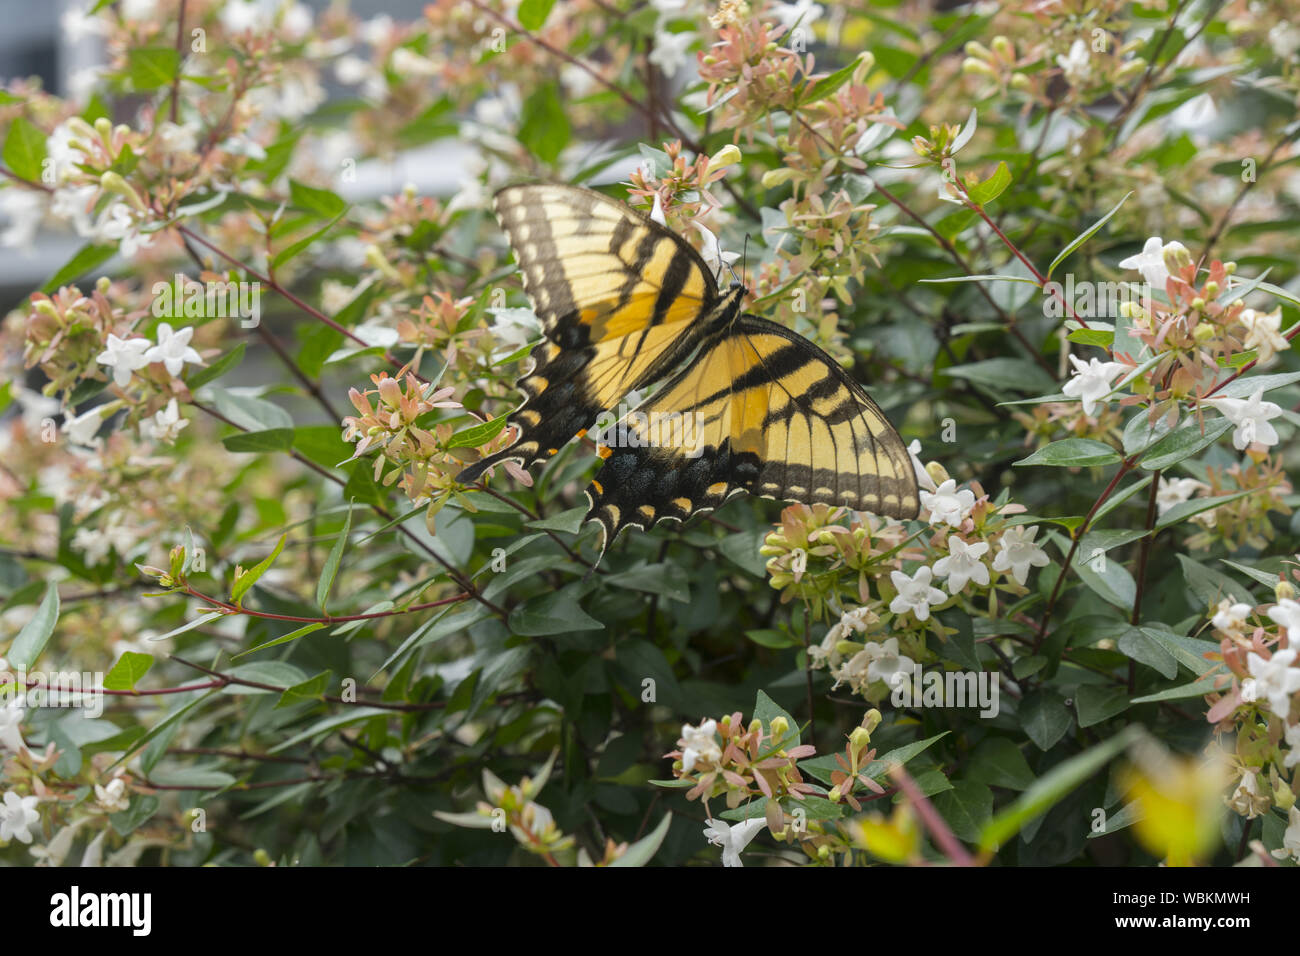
{"x":251,"y":615}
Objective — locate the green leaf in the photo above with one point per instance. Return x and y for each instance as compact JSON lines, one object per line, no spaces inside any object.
{"x":991,"y":188}
{"x":35,"y":634}
{"x":1097,"y":703}
{"x":1109,"y":579}
{"x":1183,"y":442}
{"x":332,"y":562}
{"x":554,"y":613}
{"x":642,"y":851}
{"x":1049,"y":789}
{"x":479,"y":434}
{"x":24,"y":149}
{"x":967,"y":808}
{"x":1247,"y":386}
{"x":1182,"y":512}
{"x":284,"y":255}
{"x":767,"y":710}
{"x":1003,"y":374}
{"x":141,"y":809}
{"x":270,"y":439}
{"x":1145,"y":649}
{"x":128,"y":670}
{"x":544,"y":129}
{"x":1087,"y":234}
{"x":828,"y":84}
{"x":1263,"y":577}
{"x":998,"y":762}
{"x":1196,"y":688}
{"x":248,"y":578}
{"x":1072,"y":453}
{"x":88,"y":257}
{"x":311,"y":689}
{"x":1044,"y":717}
{"x":285,"y":639}
{"x":985,"y":277}
{"x":533,"y":13}
{"x":189,"y":625}
{"x":568,"y":521}
{"x":220,"y":367}
{"x":322,"y":202}
{"x":152,"y":67}
{"x":277,"y":674}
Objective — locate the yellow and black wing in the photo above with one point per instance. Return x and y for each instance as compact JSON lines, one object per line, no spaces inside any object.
{"x":760,"y":409}
{"x":619,"y":297}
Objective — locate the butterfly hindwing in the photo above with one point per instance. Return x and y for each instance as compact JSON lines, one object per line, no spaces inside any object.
{"x":620,"y":299}
{"x":763,"y":410}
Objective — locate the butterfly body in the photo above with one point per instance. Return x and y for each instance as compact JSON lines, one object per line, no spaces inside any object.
{"x":745,"y":404}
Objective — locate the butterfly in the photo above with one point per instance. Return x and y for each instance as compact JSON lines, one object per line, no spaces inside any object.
{"x":745,"y":404}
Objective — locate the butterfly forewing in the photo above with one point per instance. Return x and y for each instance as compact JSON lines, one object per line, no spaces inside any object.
{"x":618,"y":296}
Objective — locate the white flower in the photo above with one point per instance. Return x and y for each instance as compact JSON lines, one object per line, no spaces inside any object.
{"x":96,"y":543}
{"x":377,"y":31}
{"x":1151,"y":263}
{"x":77,"y":24}
{"x":296,"y":22}
{"x":74,"y":204}
{"x":1231,"y":617}
{"x":1284,"y":38}
{"x":17,"y":816}
{"x":166,"y":424}
{"x":81,"y":429}
{"x":1251,"y":416}
{"x":885,"y":663}
{"x":1275,"y":679}
{"x":23,"y":208}
{"x":406,"y":62}
{"x":963,"y":564}
{"x":1196,"y":114}
{"x":1091,"y":382}
{"x":1264,"y":333}
{"x":858,"y":620}
{"x":657,"y":211}
{"x":733,"y":839}
{"x":1077,"y":66}
{"x":915,"y":593}
{"x":670,"y":52}
{"x":1291,"y":838}
{"x":376,"y":334}
{"x":11,"y":718}
{"x":513,"y":329}
{"x":113,"y":797}
{"x":922,"y":476}
{"x":1245,"y":800}
{"x":173,"y":349}
{"x":802,"y":12}
{"x":238,"y":16}
{"x":1018,"y":553}
{"x":116,"y":224}
{"x":178,"y":137}
{"x":1293,"y":745}
{"x":947,"y":505}
{"x":1287,"y":613}
{"x":1175,"y":491}
{"x":124,"y":356}
{"x":712,"y":253}
{"x":699,"y":745}
{"x":139,"y":9}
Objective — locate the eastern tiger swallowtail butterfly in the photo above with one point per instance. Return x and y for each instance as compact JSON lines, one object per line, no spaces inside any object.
{"x":750,"y":405}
